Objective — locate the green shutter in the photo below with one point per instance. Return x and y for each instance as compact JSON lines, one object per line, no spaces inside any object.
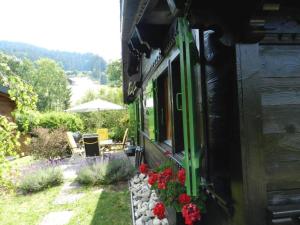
{"x":191,"y":153}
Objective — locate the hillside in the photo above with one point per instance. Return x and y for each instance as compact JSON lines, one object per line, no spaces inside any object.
{"x":71,"y":61}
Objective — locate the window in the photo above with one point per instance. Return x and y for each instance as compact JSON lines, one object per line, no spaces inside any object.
{"x":164,"y":109}
{"x":148,"y":102}
{"x":169,"y":107}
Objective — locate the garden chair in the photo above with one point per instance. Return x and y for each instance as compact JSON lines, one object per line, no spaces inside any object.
{"x":73,"y":146}
{"x":124,"y":141}
{"x":109,"y":145}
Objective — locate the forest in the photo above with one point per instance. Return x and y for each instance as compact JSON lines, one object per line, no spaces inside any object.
{"x":92,"y":64}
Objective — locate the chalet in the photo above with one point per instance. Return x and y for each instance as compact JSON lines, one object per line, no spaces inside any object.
{"x":6,"y":104}
{"x":217,"y":85}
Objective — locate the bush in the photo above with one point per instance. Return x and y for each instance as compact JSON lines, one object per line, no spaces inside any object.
{"x":115,"y":121}
{"x":105,"y":173}
{"x":54,"y":120}
{"x":40,"y":180}
{"x":9,"y":145}
{"x":49,"y":144}
{"x":51,"y":120}
{"x":27,"y":121}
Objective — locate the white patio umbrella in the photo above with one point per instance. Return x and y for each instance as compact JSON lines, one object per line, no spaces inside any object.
{"x":95,"y":105}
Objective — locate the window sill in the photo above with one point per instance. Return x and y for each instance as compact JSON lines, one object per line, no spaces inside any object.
{"x":166,"y":150}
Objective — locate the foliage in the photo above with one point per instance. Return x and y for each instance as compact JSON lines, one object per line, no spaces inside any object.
{"x":51,"y":120}
{"x":50,"y":83}
{"x":9,"y":145}
{"x":109,"y":172}
{"x":114,"y":73}
{"x":40,"y":180}
{"x":112,"y":94}
{"x":25,"y":99}
{"x":49,"y":144}
{"x":27,"y":121}
{"x":71,"y":61}
{"x":54,"y":120}
{"x":116,"y":122}
{"x":170,"y":186}
{"x":43,"y":77}
{"x":87,"y":97}
{"x":19,"y":91}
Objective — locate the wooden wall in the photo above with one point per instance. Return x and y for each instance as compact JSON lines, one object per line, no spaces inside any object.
{"x":6,"y":106}
{"x":269,"y":87}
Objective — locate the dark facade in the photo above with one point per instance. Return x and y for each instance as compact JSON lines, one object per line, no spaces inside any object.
{"x":217,"y":90}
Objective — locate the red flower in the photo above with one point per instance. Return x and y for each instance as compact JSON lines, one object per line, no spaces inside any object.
{"x":143,"y":168}
{"x":190,"y":213}
{"x":159,"y":210}
{"x":167,"y":173}
{"x":162,"y":184}
{"x":162,"y":181}
{"x":152,"y":178}
{"x":184,"y":199}
{"x":181,"y":176}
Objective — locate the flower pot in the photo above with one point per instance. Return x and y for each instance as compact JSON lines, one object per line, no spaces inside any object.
{"x":179,"y":219}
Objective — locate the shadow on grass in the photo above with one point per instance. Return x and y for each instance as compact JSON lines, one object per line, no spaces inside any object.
{"x":113,"y":208}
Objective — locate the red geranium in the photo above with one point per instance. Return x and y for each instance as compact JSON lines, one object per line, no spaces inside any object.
{"x":181,"y":176}
{"x":184,"y":199}
{"x":167,"y":173}
{"x":143,"y":168}
{"x":162,"y":181}
{"x":190,"y":213}
{"x":152,"y":178}
{"x":159,"y":210}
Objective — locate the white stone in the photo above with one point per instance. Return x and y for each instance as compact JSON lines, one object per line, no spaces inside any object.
{"x":142,"y":176}
{"x":149,"y":213}
{"x":140,"y":221}
{"x":156,"y":221}
{"x":164,"y":221}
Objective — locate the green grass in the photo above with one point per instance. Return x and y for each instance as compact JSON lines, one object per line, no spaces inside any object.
{"x":110,"y":207}
{"x":25,"y":210}
{"x":106,"y":208}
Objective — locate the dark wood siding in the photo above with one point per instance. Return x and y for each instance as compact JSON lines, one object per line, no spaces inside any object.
{"x":269,"y":87}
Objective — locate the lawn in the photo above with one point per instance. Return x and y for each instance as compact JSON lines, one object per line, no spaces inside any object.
{"x":95,"y":208}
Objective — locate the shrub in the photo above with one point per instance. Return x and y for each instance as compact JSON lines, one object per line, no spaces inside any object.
{"x":40,"y":180}
{"x":9,"y":145}
{"x":27,"y":121}
{"x":115,"y":121}
{"x":54,"y":120}
{"x":49,"y":144}
{"x":105,"y":173}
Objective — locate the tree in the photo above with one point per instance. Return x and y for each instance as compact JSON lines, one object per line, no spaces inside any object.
{"x":50,"y":83}
{"x":114,"y":73}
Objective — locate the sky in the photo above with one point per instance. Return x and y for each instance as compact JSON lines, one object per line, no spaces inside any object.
{"x":69,"y":25}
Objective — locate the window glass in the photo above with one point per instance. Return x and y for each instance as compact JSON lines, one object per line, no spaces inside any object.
{"x":164,"y":109}
{"x":148,"y":102}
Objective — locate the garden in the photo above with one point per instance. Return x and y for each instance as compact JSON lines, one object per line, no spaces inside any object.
{"x":40,"y":180}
